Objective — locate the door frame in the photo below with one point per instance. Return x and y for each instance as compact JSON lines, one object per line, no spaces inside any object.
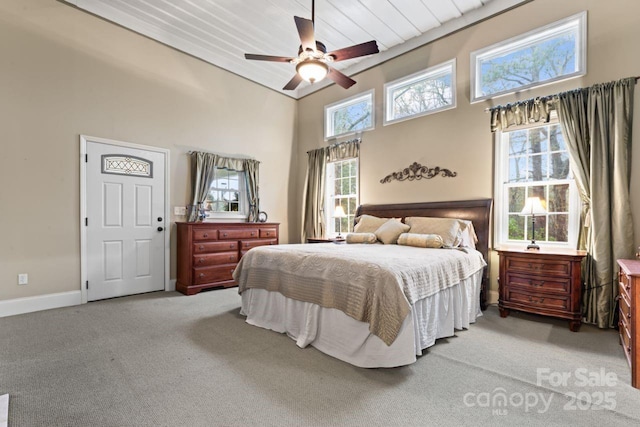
{"x":84,"y":139}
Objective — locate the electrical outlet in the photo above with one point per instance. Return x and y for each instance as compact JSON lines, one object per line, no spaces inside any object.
{"x":179,"y":210}
{"x":23,"y":279}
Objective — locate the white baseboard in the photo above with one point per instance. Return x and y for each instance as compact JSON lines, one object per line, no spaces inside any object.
{"x":493,"y":297}
{"x":172,"y":285}
{"x":16,"y":306}
{"x":4,"y":410}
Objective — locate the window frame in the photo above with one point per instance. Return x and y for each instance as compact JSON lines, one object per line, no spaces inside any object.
{"x":501,"y":204}
{"x":522,"y":41}
{"x":243,"y":201}
{"x":330,"y":204}
{"x":355,"y":99}
{"x":426,"y":74}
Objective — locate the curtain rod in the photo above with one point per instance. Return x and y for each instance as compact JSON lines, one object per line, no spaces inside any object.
{"x":335,"y":144}
{"x":488,"y":109}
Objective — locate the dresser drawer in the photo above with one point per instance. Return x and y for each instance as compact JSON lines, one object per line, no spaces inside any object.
{"x":208,"y":247}
{"x":215,"y":259}
{"x":539,"y":283}
{"x":538,"y":266}
{"x":268,"y":233}
{"x":213,"y":274}
{"x":625,"y":340}
{"x":205,"y":234}
{"x":249,"y":233}
{"x":555,"y":302}
{"x":245,"y":245}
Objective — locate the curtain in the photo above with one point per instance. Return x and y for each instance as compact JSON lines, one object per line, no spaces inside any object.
{"x":313,"y":221}
{"x":596,"y":123}
{"x":313,"y":198}
{"x":521,"y":113}
{"x":252,"y":179}
{"x":203,"y":167}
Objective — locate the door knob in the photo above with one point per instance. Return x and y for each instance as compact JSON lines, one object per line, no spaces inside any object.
{"x":160,"y":228}
{"x":159,"y":219}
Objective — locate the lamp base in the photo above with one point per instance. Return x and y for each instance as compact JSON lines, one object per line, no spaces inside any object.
{"x":532,"y":246}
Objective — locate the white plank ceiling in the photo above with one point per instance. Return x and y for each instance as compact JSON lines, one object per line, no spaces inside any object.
{"x":220,"y":32}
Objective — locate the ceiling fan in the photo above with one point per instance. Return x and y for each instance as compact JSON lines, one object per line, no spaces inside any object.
{"x":312,"y":62}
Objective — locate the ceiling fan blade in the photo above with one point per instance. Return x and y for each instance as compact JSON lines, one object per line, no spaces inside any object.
{"x":305,"y":30}
{"x":355,"y":51}
{"x":267,"y":58}
{"x":293,"y":83}
{"x":342,"y":79}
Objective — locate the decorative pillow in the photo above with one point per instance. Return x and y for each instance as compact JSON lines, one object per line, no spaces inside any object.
{"x":448,"y":228}
{"x":389,"y":232}
{"x":421,"y":240}
{"x":361,"y":238}
{"x":469,"y":237}
{"x":369,"y":223}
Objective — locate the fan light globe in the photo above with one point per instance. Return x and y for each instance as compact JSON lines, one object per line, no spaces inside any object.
{"x":312,"y":70}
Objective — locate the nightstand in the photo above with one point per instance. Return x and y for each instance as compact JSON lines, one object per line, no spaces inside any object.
{"x":328,"y":240}
{"x":546,"y":282}
{"x":628,"y":322}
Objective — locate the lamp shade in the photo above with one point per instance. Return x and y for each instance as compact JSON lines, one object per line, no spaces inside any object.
{"x":533,"y":206}
{"x":339,"y":212}
{"x":312,"y":70}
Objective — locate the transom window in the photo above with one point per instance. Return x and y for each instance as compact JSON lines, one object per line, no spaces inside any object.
{"x":548,"y":54}
{"x":355,"y":114}
{"x":534,"y":162}
{"x":425,"y":92}
{"x":227,"y":194}
{"x":342,"y":190}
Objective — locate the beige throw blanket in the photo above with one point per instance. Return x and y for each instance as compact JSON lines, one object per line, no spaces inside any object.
{"x":371,"y":283}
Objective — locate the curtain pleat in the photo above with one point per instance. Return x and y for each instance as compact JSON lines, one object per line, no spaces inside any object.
{"x":313,"y":198}
{"x":596,"y":123}
{"x":521,"y":113}
{"x":252,"y":179}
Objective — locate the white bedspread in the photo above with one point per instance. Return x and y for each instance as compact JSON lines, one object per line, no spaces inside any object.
{"x":376,"y":284}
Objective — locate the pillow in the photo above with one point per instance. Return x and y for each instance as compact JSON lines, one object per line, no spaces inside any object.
{"x":447,"y":228}
{"x":421,"y":240}
{"x":469,"y":237}
{"x":361,"y":238}
{"x":369,"y":223}
{"x":389,"y":232}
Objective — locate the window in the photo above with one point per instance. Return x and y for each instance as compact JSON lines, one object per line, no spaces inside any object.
{"x":425,"y":92}
{"x":342,"y":189}
{"x":227,"y":195}
{"x":548,"y":54}
{"x":351,"y":115}
{"x":534,"y":162}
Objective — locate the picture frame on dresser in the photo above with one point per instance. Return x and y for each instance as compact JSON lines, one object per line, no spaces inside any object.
{"x":208,"y":252}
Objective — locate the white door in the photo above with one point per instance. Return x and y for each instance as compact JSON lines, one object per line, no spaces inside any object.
{"x":125,"y":222}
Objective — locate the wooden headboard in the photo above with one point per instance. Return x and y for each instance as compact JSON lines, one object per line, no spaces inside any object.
{"x":477,"y":211}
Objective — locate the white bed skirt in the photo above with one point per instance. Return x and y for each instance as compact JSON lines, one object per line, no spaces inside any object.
{"x":338,"y":335}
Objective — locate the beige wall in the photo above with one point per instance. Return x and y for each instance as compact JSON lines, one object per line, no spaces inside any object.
{"x":65,"y":73}
{"x":460,"y":139}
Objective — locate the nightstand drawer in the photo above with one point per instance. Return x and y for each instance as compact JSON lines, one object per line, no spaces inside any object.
{"x":625,"y":286}
{"x":268,"y":233}
{"x":539,"y":283}
{"x":555,"y":302}
{"x":539,"y":266}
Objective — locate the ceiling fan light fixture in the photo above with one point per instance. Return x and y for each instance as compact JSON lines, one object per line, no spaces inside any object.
{"x":312,"y":70}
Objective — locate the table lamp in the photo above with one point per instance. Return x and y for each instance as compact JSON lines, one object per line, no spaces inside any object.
{"x":339,"y":213}
{"x":533,"y":206}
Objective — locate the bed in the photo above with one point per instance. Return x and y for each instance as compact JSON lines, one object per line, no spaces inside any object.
{"x":375,"y":305}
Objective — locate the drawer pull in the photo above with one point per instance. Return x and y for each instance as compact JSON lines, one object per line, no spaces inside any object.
{"x":540,"y":283}
{"x":230,"y":257}
{"x":536,"y":301}
{"x":629,"y":316}
{"x":200,"y":260}
{"x":205,"y":235}
{"x":271,"y":243}
{"x":231,"y":246}
{"x":201,"y":248}
{"x":253,"y":233}
{"x":201,"y":275}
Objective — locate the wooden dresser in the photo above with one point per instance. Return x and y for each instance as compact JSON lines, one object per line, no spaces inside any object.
{"x":628,"y":322}
{"x":208,"y":252}
{"x":546,"y":282}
